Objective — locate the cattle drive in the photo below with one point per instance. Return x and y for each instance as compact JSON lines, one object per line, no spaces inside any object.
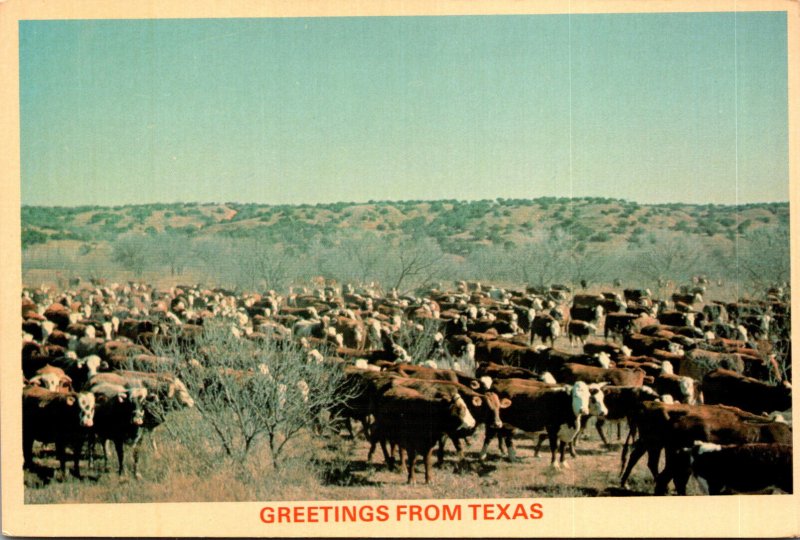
{"x":700,"y":386}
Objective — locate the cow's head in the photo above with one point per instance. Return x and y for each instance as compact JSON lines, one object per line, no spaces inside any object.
{"x":48,"y":381}
{"x":492,"y":404}
{"x":86,"y":404}
{"x":137,"y":396}
{"x":688,"y":390}
{"x":597,"y":405}
{"x":459,"y":409}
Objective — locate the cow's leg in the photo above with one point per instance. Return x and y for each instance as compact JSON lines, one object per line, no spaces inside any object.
{"x":428,"y":457}
{"x":412,"y":456}
{"x":120,"y":447}
{"x":440,"y":450}
{"x":598,"y":424}
{"x":136,"y":472}
{"x":561,"y":448}
{"x":487,"y":438}
{"x":552,"y":435}
{"x":512,"y":453}
{"x":542,"y":437}
{"x":61,"y":452}
{"x":27,"y":452}
{"x":636,"y":454}
{"x":663,"y":479}
{"x":681,"y":471}
{"x":653,"y":455}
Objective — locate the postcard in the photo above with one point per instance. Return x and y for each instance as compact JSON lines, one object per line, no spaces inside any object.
{"x":502,"y":268}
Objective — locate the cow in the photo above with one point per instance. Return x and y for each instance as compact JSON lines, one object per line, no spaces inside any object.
{"x":572,"y":372}
{"x":699,"y":362}
{"x":673,"y":427}
{"x":590,"y":314}
{"x":636,"y":295}
{"x":537,"y":407}
{"x":727,"y":387}
{"x":580,"y":330}
{"x":484,"y":406}
{"x":53,"y":379}
{"x":415,"y":423}
{"x":687,"y":298}
{"x":481,"y":384}
{"x":54,"y":417}
{"x":676,"y":318}
{"x":744,"y":468}
{"x":119,"y":418}
{"x":682,"y":389}
{"x":618,"y":324}
{"x":622,"y":402}
{"x":546,"y":329}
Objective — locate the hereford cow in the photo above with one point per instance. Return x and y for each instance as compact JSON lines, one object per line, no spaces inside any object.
{"x":415,"y":423}
{"x":572,"y":372}
{"x":580,"y":330}
{"x":546,"y":328}
{"x":539,"y":407}
{"x":119,"y":417}
{"x":744,"y":468}
{"x":618,"y":324}
{"x":53,"y":417}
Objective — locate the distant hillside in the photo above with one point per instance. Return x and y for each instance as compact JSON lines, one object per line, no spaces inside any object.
{"x":457,"y":226}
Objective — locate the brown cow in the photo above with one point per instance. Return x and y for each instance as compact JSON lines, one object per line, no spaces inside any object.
{"x":572,"y":372}
{"x":745,"y":468}
{"x":674,"y":427}
{"x":53,"y":417}
{"x":730,"y":388}
{"x":414,"y":422}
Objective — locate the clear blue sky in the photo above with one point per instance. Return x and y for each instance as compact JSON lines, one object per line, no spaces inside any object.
{"x":649,"y":107}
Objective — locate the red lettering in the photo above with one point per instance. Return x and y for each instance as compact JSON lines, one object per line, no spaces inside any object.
{"x":267,"y":514}
{"x":299,"y":515}
{"x":312,"y":514}
{"x":382,"y":513}
{"x":536,"y":511}
{"x":415,"y":510}
{"x":520,"y":512}
{"x":451,"y":513}
{"x":503,"y":511}
{"x":283,"y":515}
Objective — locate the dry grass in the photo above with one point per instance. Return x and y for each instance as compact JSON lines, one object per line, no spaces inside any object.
{"x":339,"y":471}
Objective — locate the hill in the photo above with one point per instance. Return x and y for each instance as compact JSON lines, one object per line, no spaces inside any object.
{"x":510,"y":240}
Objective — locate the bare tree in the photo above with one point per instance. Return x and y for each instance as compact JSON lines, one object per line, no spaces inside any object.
{"x":130,"y":252}
{"x":248,"y":393}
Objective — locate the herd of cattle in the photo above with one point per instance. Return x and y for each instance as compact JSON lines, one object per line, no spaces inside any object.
{"x":706,"y":383}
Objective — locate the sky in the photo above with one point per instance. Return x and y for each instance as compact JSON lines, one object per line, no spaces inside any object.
{"x":654,"y":108}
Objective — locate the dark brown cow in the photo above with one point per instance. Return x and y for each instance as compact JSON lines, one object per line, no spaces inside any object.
{"x":744,"y":468}
{"x":546,"y":328}
{"x":730,"y":388}
{"x":618,"y":324}
{"x":580,"y":330}
{"x":415,"y":423}
{"x":53,"y":417}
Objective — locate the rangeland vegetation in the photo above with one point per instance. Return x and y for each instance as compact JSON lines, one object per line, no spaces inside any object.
{"x":315,"y":326}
